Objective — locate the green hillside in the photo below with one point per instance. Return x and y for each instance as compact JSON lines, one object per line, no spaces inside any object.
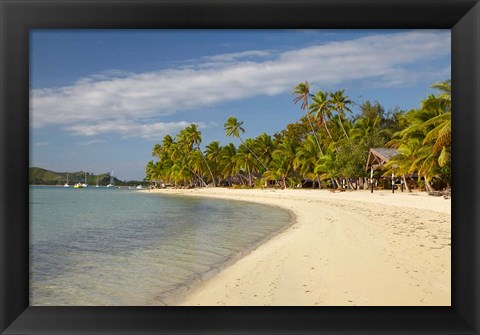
{"x":39,"y":176}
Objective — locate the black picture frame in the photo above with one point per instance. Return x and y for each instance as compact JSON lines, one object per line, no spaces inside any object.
{"x":17,"y":17}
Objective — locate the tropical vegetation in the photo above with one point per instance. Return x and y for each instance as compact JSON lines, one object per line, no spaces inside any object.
{"x":327,"y":146}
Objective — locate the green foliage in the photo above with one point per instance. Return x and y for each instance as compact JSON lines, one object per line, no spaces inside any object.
{"x":40,"y":176}
{"x":327,"y":142}
{"x":350,"y":160}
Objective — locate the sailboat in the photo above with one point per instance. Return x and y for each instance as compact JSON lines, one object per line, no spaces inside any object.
{"x":97,"y":182}
{"x":66,"y":184}
{"x":85,"y":183}
{"x":81,"y":185}
{"x":112,"y":180}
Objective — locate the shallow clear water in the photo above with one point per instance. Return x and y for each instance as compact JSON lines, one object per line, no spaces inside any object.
{"x":99,"y":246}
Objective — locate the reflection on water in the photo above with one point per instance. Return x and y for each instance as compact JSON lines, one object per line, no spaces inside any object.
{"x":112,"y":247}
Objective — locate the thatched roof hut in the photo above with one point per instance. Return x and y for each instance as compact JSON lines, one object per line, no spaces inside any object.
{"x":378,"y":157}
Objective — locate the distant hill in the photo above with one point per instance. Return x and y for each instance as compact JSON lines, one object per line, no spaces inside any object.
{"x":39,"y":176}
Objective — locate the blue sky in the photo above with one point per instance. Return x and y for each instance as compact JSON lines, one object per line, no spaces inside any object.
{"x":100,"y":99}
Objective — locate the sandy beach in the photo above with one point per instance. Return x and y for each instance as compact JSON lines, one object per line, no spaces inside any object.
{"x":344,"y":249}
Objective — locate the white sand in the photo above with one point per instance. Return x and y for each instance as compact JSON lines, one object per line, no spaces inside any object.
{"x":349,"y":248}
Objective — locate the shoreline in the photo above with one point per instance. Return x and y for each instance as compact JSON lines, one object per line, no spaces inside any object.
{"x":344,"y":249}
{"x":179,"y":294}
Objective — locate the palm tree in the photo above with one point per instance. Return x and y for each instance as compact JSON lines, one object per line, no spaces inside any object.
{"x":441,"y":133}
{"x":321,"y":107}
{"x":150,"y":171}
{"x":368,"y":130}
{"x":157,"y":150}
{"x":279,"y":169}
{"x":164,"y":154}
{"x":228,"y":163}
{"x":213,"y":155}
{"x":306,"y":159}
{"x":193,"y":137}
{"x":302,"y":90}
{"x":326,"y":168}
{"x":167,"y":142}
{"x":197,"y":165}
{"x":264,"y":147}
{"x":418,"y":153}
{"x":180,"y":172}
{"x":443,"y":100}
{"x":246,"y":161}
{"x":234,"y":127}
{"x":339,"y":103}
{"x":282,"y":160}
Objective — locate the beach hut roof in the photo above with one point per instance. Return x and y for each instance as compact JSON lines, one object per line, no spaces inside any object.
{"x":377,"y":157}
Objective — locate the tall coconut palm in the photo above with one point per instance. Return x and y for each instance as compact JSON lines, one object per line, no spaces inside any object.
{"x":197,"y":165}
{"x":443,"y":100}
{"x":340,"y":103}
{"x":440,"y":126}
{"x":167,"y":143}
{"x":441,"y":134}
{"x":282,"y":161}
{"x":157,"y":150}
{"x":213,"y":155}
{"x":150,"y":171}
{"x":279,"y":169}
{"x":233,"y":127}
{"x":246,"y":162}
{"x":302,"y":92}
{"x":164,"y":169}
{"x":320,"y":106}
{"x":194,"y":136}
{"x":368,"y":130}
{"x":306,"y":159}
{"x":228,"y":163}
{"x":419,"y":153}
{"x":264,"y":147}
{"x":180,"y":172}
{"x":326,"y":168}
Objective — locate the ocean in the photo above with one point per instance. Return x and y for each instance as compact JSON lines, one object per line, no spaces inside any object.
{"x":120,"y":247}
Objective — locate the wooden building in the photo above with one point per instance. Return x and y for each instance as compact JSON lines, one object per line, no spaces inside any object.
{"x":377,"y":158}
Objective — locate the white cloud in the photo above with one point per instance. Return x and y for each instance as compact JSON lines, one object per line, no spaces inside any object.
{"x":238,"y":55}
{"x":115,"y":101}
{"x":90,"y":142}
{"x":128,"y":129}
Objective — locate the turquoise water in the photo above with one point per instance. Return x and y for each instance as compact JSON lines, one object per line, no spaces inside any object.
{"x":114,"y":247}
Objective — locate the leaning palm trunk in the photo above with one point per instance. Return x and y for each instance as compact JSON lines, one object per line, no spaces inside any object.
{"x":405,"y":183}
{"x":204,"y":184}
{"x":334,"y":182}
{"x":242,"y":178}
{"x":328,"y":131}
{"x":339,"y":184}
{"x":258,"y":159}
{"x":314,"y":134}
{"x":208,"y":166}
{"x":330,"y":135}
{"x":343,"y":128}
{"x":427,"y":185}
{"x":249,"y":176}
